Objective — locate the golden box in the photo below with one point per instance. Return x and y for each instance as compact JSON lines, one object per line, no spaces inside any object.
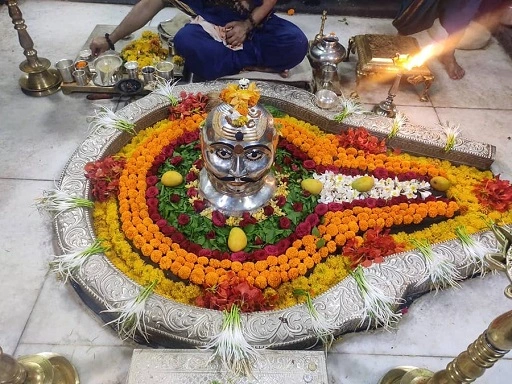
{"x":375,"y":58}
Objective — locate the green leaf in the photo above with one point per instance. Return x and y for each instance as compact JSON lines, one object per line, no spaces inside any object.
{"x":315,"y":232}
{"x":320,"y":243}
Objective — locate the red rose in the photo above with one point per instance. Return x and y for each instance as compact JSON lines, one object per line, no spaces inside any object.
{"x":175,"y":198}
{"x":297,"y":206}
{"x":302,"y":229}
{"x":218,"y":219}
{"x":176,"y":160}
{"x":151,"y":180}
{"x":168,"y":150}
{"x":259,"y":254}
{"x":247,"y":219}
{"x":335,"y":207}
{"x":161,"y":223}
{"x":309,"y":164}
{"x":284,"y":222}
{"x":281,"y":201}
{"x":205,"y":252}
{"x":210,"y":235}
{"x":380,"y":173}
{"x":158,"y":160}
{"x":191,"y":176}
{"x":199,"y":205}
{"x":198,"y":163}
{"x":152,"y":203}
{"x":168,"y":230}
{"x":312,"y":220}
{"x":268,"y":210}
{"x":192,"y":192}
{"x":183,"y":219}
{"x":194,"y":248}
{"x":177,"y":237}
{"x":271,"y":250}
{"x":152,"y":192}
{"x":240,"y":256}
{"x":321,"y":209}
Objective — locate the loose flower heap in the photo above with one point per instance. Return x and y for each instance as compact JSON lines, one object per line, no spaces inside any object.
{"x":300,"y":241}
{"x":147,"y":50}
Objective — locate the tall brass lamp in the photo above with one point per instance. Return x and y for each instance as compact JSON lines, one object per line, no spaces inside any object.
{"x":494,"y":343}
{"x":38,"y":79}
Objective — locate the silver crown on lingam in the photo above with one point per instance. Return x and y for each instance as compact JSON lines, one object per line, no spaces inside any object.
{"x":238,"y":145}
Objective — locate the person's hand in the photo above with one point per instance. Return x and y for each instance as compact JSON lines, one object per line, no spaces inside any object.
{"x":98,"y":45}
{"x":237,"y":32}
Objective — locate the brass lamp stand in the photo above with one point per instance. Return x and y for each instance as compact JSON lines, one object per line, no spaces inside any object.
{"x":38,"y":79}
{"x":490,"y":346}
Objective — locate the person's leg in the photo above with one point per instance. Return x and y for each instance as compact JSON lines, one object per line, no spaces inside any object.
{"x":455,"y":16}
{"x":278,"y":44}
{"x":489,"y":13}
{"x":206,"y":57}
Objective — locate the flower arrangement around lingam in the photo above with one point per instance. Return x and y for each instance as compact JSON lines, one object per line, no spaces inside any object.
{"x":223,"y":211}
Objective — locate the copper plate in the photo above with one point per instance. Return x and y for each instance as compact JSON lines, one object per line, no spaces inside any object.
{"x":63,"y":371}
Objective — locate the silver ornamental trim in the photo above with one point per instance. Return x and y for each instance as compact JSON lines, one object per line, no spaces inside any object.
{"x":100,"y":283}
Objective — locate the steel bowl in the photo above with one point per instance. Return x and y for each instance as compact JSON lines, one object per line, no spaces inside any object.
{"x":107,"y":69}
{"x":326,"y":99}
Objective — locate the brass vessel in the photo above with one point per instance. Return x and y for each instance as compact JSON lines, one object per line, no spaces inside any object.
{"x":494,"y":343}
{"x":324,"y":54}
{"x":11,"y":372}
{"x":38,"y":79}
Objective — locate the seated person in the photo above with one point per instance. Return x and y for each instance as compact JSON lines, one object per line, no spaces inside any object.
{"x":454,"y":15}
{"x":226,"y":36}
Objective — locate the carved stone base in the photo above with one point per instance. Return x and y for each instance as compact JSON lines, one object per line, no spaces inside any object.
{"x":184,"y":366}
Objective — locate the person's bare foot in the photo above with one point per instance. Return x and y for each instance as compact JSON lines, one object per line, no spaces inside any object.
{"x":454,"y":70}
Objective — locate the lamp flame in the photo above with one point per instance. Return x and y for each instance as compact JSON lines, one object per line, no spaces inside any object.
{"x":420,"y":58}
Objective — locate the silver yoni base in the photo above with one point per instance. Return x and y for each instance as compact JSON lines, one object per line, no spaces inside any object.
{"x":172,"y":324}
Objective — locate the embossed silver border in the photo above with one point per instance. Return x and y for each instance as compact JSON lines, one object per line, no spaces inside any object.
{"x":172,"y":324}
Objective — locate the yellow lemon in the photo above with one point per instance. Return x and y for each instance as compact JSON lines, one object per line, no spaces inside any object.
{"x":313,"y":186}
{"x":440,"y":183}
{"x":171,"y":179}
{"x":363,"y":183}
{"x":237,"y":240}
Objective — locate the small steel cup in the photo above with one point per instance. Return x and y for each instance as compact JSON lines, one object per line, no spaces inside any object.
{"x":83,"y":65}
{"x":148,"y":73}
{"x":164,"y":69}
{"x":65,"y":68}
{"x":132,"y":69}
{"x":81,"y":77}
{"x":85,"y":54}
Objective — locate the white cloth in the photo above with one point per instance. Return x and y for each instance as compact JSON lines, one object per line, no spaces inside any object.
{"x":216,"y":32}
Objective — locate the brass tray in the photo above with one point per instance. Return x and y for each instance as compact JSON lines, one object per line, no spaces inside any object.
{"x":100,"y":30}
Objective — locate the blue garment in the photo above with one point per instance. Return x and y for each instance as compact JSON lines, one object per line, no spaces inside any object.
{"x":454,"y":15}
{"x":275,"y":44}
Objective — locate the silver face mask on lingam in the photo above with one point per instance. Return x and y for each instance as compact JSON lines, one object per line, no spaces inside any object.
{"x":238,"y":153}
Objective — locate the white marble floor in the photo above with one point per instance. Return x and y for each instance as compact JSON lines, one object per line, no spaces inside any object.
{"x":38,"y":135}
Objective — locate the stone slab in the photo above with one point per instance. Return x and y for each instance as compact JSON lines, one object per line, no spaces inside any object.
{"x":184,"y":366}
